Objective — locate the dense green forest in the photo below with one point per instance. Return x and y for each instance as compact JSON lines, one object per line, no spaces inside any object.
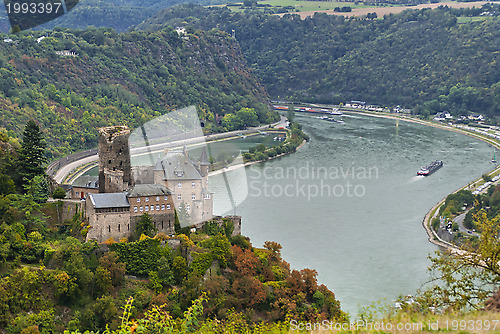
{"x":127,"y":78}
{"x":423,"y":59}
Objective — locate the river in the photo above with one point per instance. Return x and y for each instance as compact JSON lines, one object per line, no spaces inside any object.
{"x":349,"y":204}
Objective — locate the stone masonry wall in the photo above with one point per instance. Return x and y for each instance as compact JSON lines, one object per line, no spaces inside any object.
{"x":114,"y":154}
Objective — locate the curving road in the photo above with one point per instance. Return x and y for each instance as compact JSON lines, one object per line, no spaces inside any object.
{"x":62,"y":173}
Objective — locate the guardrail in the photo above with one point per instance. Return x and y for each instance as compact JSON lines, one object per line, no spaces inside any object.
{"x":54,"y":166}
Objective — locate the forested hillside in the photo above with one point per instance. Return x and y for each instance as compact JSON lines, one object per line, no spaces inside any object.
{"x":109,"y":79}
{"x":52,"y":280}
{"x":425,"y":59}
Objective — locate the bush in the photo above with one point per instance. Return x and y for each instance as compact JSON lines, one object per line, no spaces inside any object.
{"x":435,"y":223}
{"x":486,"y":177}
{"x":59,"y":193}
{"x":201,"y":263}
{"x":261,"y":156}
{"x":247,"y":156}
{"x":140,"y":257}
{"x":468,"y":221}
{"x":241,"y":241}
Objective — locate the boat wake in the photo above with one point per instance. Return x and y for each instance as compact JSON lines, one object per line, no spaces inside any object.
{"x":416,"y":178}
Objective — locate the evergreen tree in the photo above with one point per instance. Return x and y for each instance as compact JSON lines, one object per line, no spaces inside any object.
{"x":29,"y":205}
{"x":145,"y":226}
{"x":164,"y":271}
{"x":32,"y":153}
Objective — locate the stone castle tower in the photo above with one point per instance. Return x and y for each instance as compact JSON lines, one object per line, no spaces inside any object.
{"x":114,"y":159}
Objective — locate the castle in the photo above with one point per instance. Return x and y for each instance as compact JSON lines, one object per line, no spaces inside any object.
{"x":126,"y":192}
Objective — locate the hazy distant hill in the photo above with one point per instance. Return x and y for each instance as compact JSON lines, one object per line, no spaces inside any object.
{"x":117,"y":14}
{"x":108,"y":78}
{"x":443,"y":59}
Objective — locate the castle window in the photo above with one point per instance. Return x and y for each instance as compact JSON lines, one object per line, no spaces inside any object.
{"x":168,"y":206}
{"x":146,"y":208}
{"x":188,"y":208}
{"x":179,"y":196}
{"x":135,"y":209}
{"x":166,"y":197}
{"x":193,"y":196}
{"x":179,"y":185}
{"x":152,"y":208}
{"x":147,"y":199}
{"x":157,"y":198}
{"x":157,"y":207}
{"x":128,"y":227}
{"x":162,"y":224}
{"x":141,"y":208}
{"x":207,"y":196}
{"x":169,"y":224}
{"x":193,"y":184}
{"x":138,"y":199}
{"x":163,"y":206}
{"x":119,"y":228}
{"x":109,"y":228}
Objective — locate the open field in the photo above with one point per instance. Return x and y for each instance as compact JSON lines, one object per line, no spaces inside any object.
{"x":463,"y":19}
{"x":362,"y":10}
{"x":313,"y":6}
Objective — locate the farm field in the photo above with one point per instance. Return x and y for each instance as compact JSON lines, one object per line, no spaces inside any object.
{"x":362,"y":10}
{"x":308,"y":8}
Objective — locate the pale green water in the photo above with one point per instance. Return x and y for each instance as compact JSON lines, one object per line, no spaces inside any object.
{"x":364,"y":248}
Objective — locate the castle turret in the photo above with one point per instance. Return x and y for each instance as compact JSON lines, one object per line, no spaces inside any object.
{"x":204,"y":163}
{"x":114,"y":159}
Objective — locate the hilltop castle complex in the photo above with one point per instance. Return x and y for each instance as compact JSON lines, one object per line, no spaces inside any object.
{"x":125,"y":193}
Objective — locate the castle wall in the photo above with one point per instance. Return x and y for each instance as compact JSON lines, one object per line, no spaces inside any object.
{"x":114,"y":181}
{"x":190,"y":192}
{"x":105,"y":225}
{"x":70,"y":208}
{"x":158,"y":176}
{"x":114,"y":155}
{"x":143,"y":175}
{"x":161,"y":205}
{"x":82,"y":192}
{"x":208,"y":206}
{"x":236,"y":223}
{"x":116,"y":225}
{"x":164,"y":222}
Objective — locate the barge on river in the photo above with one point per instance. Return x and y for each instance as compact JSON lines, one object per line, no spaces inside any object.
{"x":431,"y":168}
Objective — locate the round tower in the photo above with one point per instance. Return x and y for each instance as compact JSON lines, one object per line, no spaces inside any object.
{"x":114,"y":159}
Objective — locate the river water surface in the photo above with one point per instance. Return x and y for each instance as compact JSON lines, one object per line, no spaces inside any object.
{"x":359,"y":224}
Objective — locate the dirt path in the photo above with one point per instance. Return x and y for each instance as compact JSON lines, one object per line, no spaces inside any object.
{"x":381,"y":11}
